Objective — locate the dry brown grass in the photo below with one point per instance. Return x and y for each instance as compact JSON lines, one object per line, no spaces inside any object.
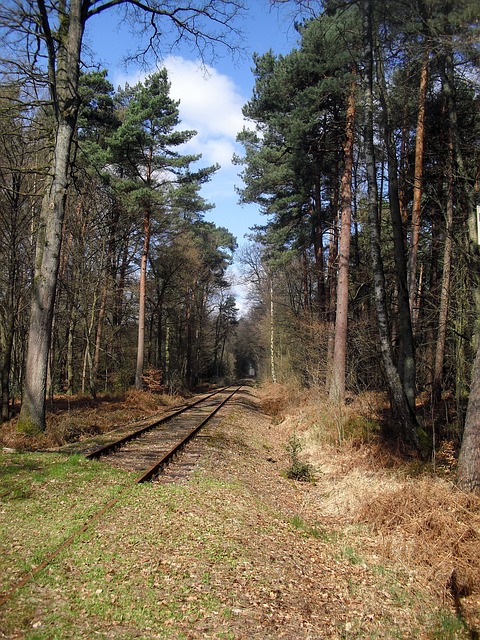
{"x":428,"y":524}
{"x":278,"y":400}
{"x":410,"y":513}
{"x":74,"y":418}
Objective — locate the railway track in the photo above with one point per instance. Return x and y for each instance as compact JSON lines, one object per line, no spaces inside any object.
{"x":149,"y":449}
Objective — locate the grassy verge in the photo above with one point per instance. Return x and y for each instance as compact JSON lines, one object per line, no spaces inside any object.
{"x":45,"y":498}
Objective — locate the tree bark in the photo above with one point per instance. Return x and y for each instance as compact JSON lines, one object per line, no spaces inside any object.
{"x":142,"y":301}
{"x":417,"y":188}
{"x":318,"y":249}
{"x":63,"y":75}
{"x":272,"y":335}
{"x":406,"y":357}
{"x":404,"y":416}
{"x":445,"y":287}
{"x":70,"y":344}
{"x":469,"y":459}
{"x":99,"y":333}
{"x":337,"y":385}
{"x":7,"y":348}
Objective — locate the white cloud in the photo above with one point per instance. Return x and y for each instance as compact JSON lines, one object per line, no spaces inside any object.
{"x":209,"y":101}
{"x":211,"y":104}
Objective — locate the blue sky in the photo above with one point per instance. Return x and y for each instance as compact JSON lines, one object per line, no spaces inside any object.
{"x":210,"y":102}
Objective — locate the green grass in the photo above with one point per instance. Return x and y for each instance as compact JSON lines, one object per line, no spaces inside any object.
{"x":47,"y":498}
{"x":315,"y":531}
{"x":123,"y":575}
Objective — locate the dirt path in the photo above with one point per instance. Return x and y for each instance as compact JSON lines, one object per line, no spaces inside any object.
{"x":291,"y":573}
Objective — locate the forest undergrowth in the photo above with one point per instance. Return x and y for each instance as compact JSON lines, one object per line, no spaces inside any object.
{"x":412,"y":510}
{"x":400,"y":537}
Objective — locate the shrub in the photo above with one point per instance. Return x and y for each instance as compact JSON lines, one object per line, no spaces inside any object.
{"x":298,"y":470}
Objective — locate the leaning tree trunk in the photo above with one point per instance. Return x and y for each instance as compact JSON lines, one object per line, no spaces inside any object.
{"x":63,"y":77}
{"x":337,"y":385}
{"x":407,"y":427}
{"x":406,"y":357}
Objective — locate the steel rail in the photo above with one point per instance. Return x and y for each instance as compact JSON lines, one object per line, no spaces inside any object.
{"x":108,"y":448}
{"x":156,"y":468}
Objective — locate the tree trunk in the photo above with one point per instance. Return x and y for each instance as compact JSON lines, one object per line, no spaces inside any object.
{"x":445,"y":287}
{"x":402,"y":174}
{"x":7,"y":347}
{"x":189,"y":319}
{"x":407,"y":424}
{"x":142,"y":301}
{"x":318,"y":249}
{"x":417,"y":187}
{"x":98,"y":337}
{"x":406,"y":356}
{"x":32,"y":415}
{"x":63,"y":74}
{"x":70,"y":352}
{"x":272,"y":335}
{"x":332,"y":282}
{"x":167,"y":351}
{"x":433,"y":285}
{"x":337,"y":386}
{"x":469,"y":459}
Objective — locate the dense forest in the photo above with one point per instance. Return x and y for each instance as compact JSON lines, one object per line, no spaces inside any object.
{"x":362,"y":150}
{"x":365,"y":159}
